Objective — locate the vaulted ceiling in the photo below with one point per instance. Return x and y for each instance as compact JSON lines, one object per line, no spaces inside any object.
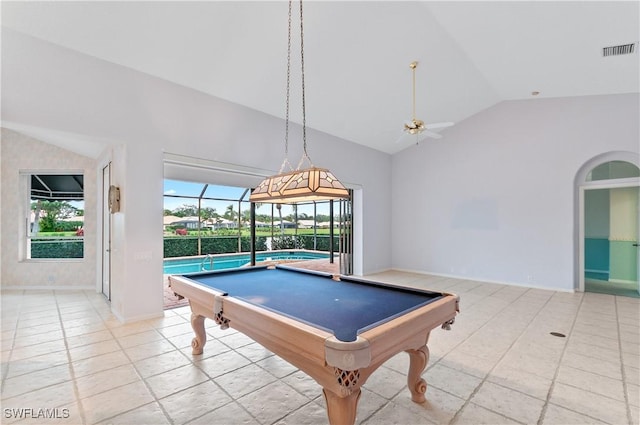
{"x":471,"y":55}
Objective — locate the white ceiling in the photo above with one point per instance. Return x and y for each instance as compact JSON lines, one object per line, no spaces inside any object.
{"x":358,"y":83}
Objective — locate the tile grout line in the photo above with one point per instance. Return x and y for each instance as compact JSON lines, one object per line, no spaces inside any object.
{"x":543,"y":412}
{"x":622,"y":368}
{"x":484,"y":379}
{"x":427,"y":366}
{"x":233,"y":399}
{"x":116,"y":340}
{"x":152,"y":393}
{"x":436,"y":362}
{"x":5,"y":375}
{"x":76,"y":392}
{"x":143,"y":380}
{"x":574,"y":386}
{"x":193,"y":364}
{"x":236,"y":400}
{"x":468,"y":400}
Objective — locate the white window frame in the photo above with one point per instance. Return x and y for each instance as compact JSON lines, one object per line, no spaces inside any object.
{"x":25,"y":229}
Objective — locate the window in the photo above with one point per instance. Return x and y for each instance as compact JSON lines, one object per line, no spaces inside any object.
{"x":55,"y":216}
{"x":613,"y":170}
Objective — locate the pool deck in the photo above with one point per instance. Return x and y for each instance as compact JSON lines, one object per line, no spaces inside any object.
{"x":322,"y":265}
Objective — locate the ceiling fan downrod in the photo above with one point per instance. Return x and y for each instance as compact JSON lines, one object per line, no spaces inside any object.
{"x":413,"y":65}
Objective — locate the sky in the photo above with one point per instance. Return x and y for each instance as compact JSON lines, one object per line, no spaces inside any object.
{"x":228,"y":194}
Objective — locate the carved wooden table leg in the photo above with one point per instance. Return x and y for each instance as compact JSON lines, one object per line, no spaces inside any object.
{"x":341,"y":410}
{"x":418,"y":362}
{"x":197,"y":343}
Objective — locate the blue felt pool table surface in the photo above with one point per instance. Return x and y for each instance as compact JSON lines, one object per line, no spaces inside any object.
{"x":345,"y":307}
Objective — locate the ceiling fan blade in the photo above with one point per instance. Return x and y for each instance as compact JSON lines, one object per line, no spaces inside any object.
{"x":403,"y":137}
{"x":438,"y":125}
{"x":431,"y":134}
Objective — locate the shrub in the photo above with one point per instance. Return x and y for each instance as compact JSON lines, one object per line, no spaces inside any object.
{"x":286,"y":242}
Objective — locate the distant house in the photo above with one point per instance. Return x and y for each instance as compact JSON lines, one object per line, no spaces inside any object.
{"x":221,"y":223}
{"x":306,"y":224}
{"x":327,"y":224}
{"x":188,"y":222}
{"x":286,"y":224}
{"x":168,"y":220}
{"x":74,"y":218}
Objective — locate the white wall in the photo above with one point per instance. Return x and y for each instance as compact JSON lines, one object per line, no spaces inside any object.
{"x":49,"y":87}
{"x":23,"y":153}
{"x":494,"y":199}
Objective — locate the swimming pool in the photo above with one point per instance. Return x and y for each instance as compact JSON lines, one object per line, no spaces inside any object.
{"x":228,"y":261}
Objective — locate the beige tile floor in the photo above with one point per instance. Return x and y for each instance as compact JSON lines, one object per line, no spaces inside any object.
{"x":65,"y":355}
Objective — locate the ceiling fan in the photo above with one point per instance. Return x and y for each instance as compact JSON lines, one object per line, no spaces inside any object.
{"x":417,"y":127}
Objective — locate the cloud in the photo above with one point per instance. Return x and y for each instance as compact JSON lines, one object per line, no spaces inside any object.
{"x":170,"y":192}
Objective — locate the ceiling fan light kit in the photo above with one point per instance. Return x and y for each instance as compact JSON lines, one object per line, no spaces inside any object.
{"x":302,"y":184}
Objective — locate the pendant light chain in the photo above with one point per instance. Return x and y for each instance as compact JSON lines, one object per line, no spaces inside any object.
{"x":304,"y":117}
{"x":286,"y":126}
{"x":305,"y":155}
{"x":302,"y":184}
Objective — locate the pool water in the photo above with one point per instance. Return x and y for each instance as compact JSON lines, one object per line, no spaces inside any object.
{"x":221,"y":262}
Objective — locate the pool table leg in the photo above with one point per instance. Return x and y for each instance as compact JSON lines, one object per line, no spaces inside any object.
{"x":341,"y":410}
{"x":418,"y":362}
{"x":197,"y":343}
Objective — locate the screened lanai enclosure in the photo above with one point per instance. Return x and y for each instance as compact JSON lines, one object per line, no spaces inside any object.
{"x":211,"y":227}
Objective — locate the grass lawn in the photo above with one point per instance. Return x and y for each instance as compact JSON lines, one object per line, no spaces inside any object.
{"x":259,"y":232}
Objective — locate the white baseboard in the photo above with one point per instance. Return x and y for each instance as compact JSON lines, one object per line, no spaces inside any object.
{"x":126,"y":320}
{"x":622,"y":281}
{"x":482,"y":280}
{"x":596,"y":271}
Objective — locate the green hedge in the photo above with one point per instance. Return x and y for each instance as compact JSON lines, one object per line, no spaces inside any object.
{"x":56,"y":248}
{"x":184,"y":246}
{"x":322,"y":243}
{"x":68,"y":226}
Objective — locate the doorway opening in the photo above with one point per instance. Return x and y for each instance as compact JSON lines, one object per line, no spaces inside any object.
{"x":208,"y":227}
{"x":106,"y":233}
{"x":608,"y":189}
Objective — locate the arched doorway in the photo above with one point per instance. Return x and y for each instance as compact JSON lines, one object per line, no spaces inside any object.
{"x":607,"y":234}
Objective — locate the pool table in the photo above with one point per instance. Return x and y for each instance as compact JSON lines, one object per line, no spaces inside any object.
{"x":337,"y":329}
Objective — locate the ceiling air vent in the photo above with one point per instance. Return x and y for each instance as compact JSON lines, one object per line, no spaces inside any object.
{"x":623,"y":49}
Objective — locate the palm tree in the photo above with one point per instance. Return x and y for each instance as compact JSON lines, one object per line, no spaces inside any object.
{"x":295,"y":216}
{"x":229,"y":213}
{"x":279,"y":207}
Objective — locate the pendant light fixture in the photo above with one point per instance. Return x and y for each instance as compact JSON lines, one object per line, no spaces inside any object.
{"x":302,"y":184}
